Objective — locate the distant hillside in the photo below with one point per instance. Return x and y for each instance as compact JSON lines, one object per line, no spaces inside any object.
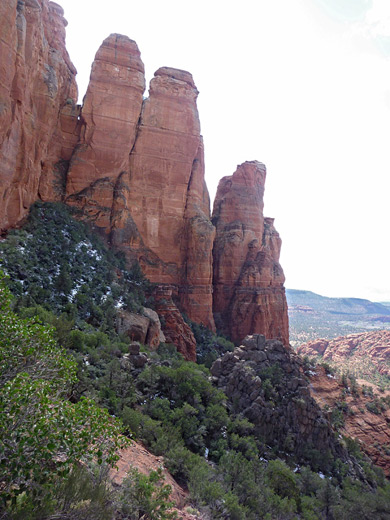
{"x":313,"y":316}
{"x":365,"y":355}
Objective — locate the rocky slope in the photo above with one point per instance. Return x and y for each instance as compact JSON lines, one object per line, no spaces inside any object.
{"x":366,"y":355}
{"x":265,"y":382}
{"x":137,"y":456}
{"x":367,"y":424}
{"x":134,"y":168}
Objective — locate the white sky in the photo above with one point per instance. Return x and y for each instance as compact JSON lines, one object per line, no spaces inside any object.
{"x":301,"y":85}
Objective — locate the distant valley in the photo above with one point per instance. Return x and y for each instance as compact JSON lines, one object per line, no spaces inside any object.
{"x":312,"y":316}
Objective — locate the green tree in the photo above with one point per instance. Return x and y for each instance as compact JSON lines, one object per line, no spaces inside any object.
{"x":42,"y":435}
{"x":146,"y":496}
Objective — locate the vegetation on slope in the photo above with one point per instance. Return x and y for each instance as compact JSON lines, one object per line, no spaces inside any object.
{"x":75,"y":285}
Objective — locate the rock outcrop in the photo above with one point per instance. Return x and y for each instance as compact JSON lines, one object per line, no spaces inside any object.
{"x":366,"y":353}
{"x":371,"y":429}
{"x":264,"y":381}
{"x":144,"y":327}
{"x":38,"y":115}
{"x":249,"y":295}
{"x":134,"y":168}
{"x":174,"y":327}
{"x":137,"y":172}
{"x":137,"y":456}
{"x":163,"y":215}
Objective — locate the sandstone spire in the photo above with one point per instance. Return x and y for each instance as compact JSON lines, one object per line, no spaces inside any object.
{"x":249,"y":295}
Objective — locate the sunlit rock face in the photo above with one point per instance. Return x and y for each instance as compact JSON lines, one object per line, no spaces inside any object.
{"x":38,"y":115}
{"x":249,"y":295}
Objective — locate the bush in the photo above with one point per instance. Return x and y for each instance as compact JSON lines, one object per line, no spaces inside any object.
{"x":145,"y":496}
{"x":42,"y":435}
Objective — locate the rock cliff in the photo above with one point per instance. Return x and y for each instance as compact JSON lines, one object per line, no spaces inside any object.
{"x":249,"y":294}
{"x":134,"y":168}
{"x":38,"y":115}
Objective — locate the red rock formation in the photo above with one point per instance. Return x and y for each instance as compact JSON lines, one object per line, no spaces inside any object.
{"x":110,"y":114}
{"x":37,"y":81}
{"x":144,"y":327}
{"x":161,"y":211}
{"x":249,"y":295}
{"x":365,"y":353}
{"x":175,"y":329}
{"x":370,"y":430}
{"x":135,"y":169}
{"x":137,"y":456}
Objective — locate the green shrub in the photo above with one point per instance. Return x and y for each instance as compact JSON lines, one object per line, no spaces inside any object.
{"x":146,"y":496}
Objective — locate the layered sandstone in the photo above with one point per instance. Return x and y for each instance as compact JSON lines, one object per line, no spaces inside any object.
{"x":249,"y":294}
{"x":161,"y":212}
{"x":174,"y":327}
{"x":137,"y":172}
{"x":37,"y":94}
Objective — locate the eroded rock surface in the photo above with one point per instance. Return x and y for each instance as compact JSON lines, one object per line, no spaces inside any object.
{"x":144,"y":327}
{"x":175,"y":329}
{"x":37,"y":98}
{"x":264,"y":381}
{"x":365,"y":352}
{"x":110,"y":114}
{"x":371,"y":430}
{"x":249,"y":295}
{"x":161,"y":213}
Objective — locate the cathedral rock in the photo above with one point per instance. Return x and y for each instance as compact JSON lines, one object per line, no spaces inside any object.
{"x":134,"y":168}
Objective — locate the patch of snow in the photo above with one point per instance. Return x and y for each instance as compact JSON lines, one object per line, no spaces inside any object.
{"x":119,"y":304}
{"x":331,"y":376}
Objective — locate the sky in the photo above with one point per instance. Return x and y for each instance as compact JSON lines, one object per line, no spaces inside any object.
{"x":300,"y":85}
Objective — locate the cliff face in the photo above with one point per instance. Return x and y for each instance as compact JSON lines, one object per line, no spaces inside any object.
{"x":37,"y":99}
{"x":248,"y":279}
{"x":109,"y":120}
{"x":134,"y":168}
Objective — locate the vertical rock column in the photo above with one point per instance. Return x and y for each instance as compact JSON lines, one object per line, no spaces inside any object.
{"x":161,"y":213}
{"x":249,"y":295}
{"x":109,"y":118}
